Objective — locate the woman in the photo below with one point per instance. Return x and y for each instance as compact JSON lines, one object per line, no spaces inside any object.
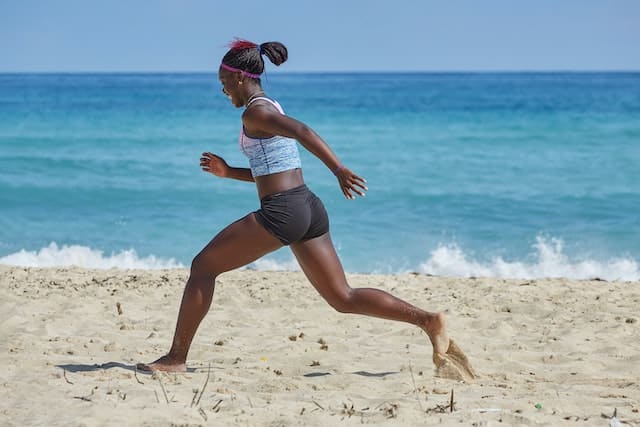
{"x":290,"y":214}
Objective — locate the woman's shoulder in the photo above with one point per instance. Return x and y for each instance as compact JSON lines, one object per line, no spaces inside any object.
{"x":262,"y":107}
{"x":264,"y":101}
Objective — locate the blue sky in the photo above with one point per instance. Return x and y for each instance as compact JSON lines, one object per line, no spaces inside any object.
{"x":322,"y":35}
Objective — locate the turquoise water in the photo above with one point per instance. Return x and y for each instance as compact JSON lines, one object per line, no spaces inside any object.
{"x":507,"y":174}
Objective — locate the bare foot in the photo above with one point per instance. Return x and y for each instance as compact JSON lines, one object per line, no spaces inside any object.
{"x":165,"y":364}
{"x":449,"y":359}
{"x":436,"y":329}
{"x":454,"y":364}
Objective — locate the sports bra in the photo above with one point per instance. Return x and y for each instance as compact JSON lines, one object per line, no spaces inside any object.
{"x":270,"y":155}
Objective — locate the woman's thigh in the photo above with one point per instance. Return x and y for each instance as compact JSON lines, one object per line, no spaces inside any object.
{"x":320,"y":263}
{"x":237,"y":245}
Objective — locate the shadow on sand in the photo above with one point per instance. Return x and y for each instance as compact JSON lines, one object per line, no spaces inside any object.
{"x":78,"y":367}
{"x":361,"y":373}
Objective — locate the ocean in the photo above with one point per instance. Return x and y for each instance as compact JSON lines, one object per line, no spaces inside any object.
{"x":518,"y":175}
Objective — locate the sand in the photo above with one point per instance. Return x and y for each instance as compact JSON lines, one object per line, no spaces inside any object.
{"x":272,"y":352}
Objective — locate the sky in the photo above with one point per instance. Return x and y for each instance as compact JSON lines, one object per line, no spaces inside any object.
{"x":321,"y":35}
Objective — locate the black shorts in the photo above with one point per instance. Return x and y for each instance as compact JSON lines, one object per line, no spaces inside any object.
{"x":293,"y":215}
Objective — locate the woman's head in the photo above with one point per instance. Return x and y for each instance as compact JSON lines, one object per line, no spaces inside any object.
{"x":246,"y":57}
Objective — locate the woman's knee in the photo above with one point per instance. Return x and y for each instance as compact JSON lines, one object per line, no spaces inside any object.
{"x":203,"y":268}
{"x":344,"y":302}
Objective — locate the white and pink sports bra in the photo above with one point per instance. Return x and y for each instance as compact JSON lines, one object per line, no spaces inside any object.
{"x":270,"y":155}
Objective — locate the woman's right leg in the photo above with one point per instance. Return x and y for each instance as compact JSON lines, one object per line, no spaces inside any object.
{"x":320,"y":263}
{"x":237,"y":245}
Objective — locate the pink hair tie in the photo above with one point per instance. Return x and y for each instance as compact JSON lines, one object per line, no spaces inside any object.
{"x":338,"y":169}
{"x":235,"y":70}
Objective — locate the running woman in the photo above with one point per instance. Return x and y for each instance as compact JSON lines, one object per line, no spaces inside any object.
{"x":289,"y":215}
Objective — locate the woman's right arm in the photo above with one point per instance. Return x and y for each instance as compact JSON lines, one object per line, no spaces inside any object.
{"x":216,"y":165}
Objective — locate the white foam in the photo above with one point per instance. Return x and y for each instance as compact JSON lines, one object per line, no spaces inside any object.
{"x":267,"y":264}
{"x":82,"y":256}
{"x":549,"y":261}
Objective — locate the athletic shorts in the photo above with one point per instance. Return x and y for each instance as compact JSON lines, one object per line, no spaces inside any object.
{"x":293,"y":215}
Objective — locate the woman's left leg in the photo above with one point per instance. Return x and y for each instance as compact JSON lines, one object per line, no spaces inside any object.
{"x":320,"y":263}
{"x":237,"y":245}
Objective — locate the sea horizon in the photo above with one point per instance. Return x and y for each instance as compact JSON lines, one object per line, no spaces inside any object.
{"x":339,"y":72}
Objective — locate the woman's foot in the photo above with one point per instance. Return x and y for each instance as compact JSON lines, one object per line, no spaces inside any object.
{"x":164,"y":364}
{"x":449,"y":359}
{"x":436,"y":329}
{"x":454,"y":365}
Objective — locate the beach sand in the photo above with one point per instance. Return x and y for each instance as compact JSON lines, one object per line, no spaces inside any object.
{"x":272,"y":352}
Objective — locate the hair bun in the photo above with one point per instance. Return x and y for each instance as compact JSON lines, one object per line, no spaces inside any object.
{"x":275,"y":51}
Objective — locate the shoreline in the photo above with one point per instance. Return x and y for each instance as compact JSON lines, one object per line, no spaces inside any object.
{"x":271,"y":351}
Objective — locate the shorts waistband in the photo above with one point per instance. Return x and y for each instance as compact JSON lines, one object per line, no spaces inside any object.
{"x":295,"y":190}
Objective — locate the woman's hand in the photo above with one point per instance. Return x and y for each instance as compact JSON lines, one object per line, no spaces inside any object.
{"x":350,"y":183}
{"x":213,"y":164}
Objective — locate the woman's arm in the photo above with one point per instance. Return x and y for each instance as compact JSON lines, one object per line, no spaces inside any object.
{"x":274,"y":123}
{"x":216,"y":165}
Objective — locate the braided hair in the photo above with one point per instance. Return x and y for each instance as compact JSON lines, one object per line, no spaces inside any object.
{"x":246,"y":56}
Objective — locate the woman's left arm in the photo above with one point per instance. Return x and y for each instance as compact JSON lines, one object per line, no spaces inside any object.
{"x":279,"y":124}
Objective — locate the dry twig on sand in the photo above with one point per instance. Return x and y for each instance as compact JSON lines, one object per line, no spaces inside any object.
{"x":86,"y":398}
{"x":216,"y":407}
{"x":135,"y":374}
{"x":444,"y":408}
{"x":202,"y":413}
{"x":64,"y":374}
{"x":204,"y":386}
{"x":415,"y":389}
{"x":163,"y":390}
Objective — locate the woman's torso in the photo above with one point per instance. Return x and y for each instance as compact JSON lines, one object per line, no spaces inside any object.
{"x":274,"y":160}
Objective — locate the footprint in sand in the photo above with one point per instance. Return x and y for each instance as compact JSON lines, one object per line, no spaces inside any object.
{"x":454,"y":364}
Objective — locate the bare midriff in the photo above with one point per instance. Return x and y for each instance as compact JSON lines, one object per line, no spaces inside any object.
{"x":278,"y":182}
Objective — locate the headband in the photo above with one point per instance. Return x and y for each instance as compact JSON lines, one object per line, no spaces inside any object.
{"x":235,"y":70}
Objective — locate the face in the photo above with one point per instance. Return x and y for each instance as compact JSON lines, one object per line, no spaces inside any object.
{"x":231,"y":86}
